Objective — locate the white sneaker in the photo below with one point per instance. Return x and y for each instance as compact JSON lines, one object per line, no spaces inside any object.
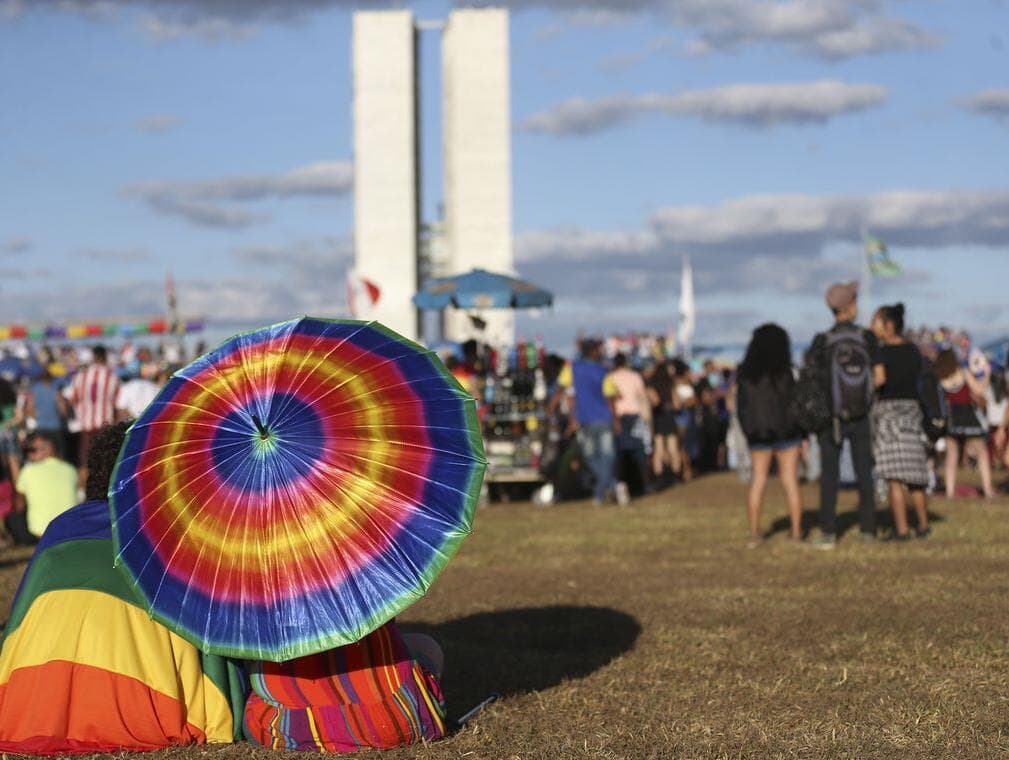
{"x":623,"y":495}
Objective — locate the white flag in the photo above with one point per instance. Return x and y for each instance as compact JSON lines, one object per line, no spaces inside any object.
{"x":688,"y":313}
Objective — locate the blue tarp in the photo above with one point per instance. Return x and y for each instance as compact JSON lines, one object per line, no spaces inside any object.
{"x":481,"y":289}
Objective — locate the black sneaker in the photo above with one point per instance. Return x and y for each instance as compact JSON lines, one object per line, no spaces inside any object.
{"x":923,"y":532}
{"x":898,"y":538}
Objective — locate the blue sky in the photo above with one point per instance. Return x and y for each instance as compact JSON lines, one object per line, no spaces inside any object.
{"x":758,"y":136}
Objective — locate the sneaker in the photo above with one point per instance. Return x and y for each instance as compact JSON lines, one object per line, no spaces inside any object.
{"x":825,"y":542}
{"x":867,"y":538}
{"x":898,"y":538}
{"x":597,"y":502}
{"x":923,"y":532}
{"x":623,"y":494}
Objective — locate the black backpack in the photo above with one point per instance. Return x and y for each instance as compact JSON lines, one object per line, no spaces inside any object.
{"x":850,"y":370}
{"x":766,"y":416}
{"x":934,"y":409}
{"x":809,"y":407}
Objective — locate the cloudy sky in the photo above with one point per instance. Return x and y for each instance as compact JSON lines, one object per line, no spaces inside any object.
{"x":760,"y":137}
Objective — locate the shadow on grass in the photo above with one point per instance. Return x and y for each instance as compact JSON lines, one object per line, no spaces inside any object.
{"x":849,"y":520}
{"x":520,"y":650}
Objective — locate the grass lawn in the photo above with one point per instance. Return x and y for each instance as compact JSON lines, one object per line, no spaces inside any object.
{"x":652,"y":631}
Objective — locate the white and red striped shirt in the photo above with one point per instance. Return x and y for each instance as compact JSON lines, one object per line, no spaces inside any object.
{"x":93,"y":396}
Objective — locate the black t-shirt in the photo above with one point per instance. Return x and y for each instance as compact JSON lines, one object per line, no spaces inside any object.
{"x":903,"y":368}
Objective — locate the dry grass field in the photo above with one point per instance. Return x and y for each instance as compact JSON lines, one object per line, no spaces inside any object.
{"x":652,"y":632}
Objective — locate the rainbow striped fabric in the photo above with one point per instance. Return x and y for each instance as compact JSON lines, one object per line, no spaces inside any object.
{"x":83,"y":668}
{"x":368,"y":694}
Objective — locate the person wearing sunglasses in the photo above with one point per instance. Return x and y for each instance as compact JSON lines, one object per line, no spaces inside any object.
{"x":46,"y":487}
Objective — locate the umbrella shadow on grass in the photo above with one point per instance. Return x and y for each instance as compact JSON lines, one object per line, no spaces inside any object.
{"x":509,"y":652}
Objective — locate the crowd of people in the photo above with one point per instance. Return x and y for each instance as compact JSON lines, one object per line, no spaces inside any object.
{"x":53,"y":401}
{"x":893,"y":401}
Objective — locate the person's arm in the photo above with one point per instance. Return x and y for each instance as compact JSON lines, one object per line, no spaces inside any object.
{"x":977,"y":387}
{"x":564,"y":380}
{"x":612,"y":394}
{"x":879,"y":375}
{"x":30,"y":405}
{"x":20,"y":503}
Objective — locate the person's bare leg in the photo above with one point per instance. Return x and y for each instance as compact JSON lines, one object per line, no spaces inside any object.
{"x":788,"y":471}
{"x":898,"y":505}
{"x":919,"y":500}
{"x":675,"y":458}
{"x":658,"y":455}
{"x":983,"y":464}
{"x":951,"y":465}
{"x":760,"y":462}
{"x":688,"y":471}
{"x":426,"y":650}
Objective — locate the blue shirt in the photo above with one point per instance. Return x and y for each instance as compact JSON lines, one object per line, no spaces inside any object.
{"x":47,"y":411}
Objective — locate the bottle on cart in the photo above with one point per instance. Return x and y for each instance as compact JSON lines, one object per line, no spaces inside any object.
{"x":532,"y":353}
{"x":541,"y":353}
{"x":540,"y":387}
{"x":520,"y":354}
{"x":489,"y":389}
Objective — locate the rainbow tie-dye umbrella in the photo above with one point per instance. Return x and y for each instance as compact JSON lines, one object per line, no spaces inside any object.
{"x":296,"y":488}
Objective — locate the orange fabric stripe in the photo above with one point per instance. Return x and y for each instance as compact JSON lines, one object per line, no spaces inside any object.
{"x":67,"y":707}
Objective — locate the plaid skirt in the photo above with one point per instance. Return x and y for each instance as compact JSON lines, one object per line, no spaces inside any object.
{"x":899,"y":442}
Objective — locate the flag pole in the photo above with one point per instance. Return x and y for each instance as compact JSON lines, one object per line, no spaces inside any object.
{"x":865,"y":294}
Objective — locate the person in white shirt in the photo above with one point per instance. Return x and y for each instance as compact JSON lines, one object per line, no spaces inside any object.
{"x":136,"y":394}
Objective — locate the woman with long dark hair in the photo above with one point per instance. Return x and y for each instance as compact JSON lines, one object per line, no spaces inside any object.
{"x":765,"y":388}
{"x":898,"y":427}
{"x":968,"y":429}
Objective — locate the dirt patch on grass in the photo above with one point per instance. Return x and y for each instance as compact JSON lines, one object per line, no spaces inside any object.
{"x":652,"y":631}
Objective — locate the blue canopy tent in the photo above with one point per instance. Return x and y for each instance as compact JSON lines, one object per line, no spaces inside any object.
{"x":481,"y":289}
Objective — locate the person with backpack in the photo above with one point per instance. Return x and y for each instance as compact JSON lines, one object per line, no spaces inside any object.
{"x":897,"y":421}
{"x":844,"y":358}
{"x":763,"y":398}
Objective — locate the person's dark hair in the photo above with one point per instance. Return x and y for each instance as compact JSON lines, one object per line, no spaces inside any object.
{"x":768,"y":355}
{"x":451,"y":362}
{"x":679,"y":368}
{"x":40,"y":435}
{"x":945,"y":364}
{"x":99,"y":354}
{"x":620,"y":360}
{"x":102,"y":458}
{"x":894,"y":315}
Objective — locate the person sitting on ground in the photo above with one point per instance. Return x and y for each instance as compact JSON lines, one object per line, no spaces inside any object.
{"x":83,"y":666}
{"x":380,"y":692}
{"x":765,"y":389}
{"x":46,"y":487}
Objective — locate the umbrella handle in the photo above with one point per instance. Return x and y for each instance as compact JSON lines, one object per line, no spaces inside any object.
{"x":263,"y":432}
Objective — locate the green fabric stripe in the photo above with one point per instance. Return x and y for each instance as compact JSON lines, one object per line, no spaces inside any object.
{"x":229,"y":677}
{"x":81,"y":564}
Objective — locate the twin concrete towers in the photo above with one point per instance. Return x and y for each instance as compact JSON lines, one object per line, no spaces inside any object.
{"x":393,"y":249}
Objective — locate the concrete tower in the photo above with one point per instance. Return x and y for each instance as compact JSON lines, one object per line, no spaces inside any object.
{"x":476,"y":127}
{"x":386,"y":206}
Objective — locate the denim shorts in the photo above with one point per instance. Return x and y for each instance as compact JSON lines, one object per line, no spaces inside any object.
{"x":785,"y":445}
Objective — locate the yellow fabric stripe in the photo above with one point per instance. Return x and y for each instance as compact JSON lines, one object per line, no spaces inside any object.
{"x":97,"y":629}
{"x":434,"y":709}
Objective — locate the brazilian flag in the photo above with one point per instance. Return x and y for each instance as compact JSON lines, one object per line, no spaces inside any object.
{"x":878,"y":257}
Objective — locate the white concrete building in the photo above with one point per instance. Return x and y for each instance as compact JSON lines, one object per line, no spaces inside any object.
{"x":385,"y":164}
{"x":476,"y":128}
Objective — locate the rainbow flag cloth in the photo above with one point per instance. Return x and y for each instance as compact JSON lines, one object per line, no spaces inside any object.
{"x":83,"y":668}
{"x":367,"y":694}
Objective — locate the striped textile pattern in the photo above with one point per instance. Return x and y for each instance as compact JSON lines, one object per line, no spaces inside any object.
{"x":83,"y":668}
{"x":94,"y":396}
{"x":368,"y":694}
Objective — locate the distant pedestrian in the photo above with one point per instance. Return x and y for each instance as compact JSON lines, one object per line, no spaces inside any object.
{"x":684,"y":401}
{"x":47,"y":407}
{"x":137,"y":393}
{"x":634,"y":415}
{"x":665,"y":445}
{"x":763,"y":397}
{"x":594,"y":415}
{"x":968,"y":429}
{"x":93,"y":394}
{"x":898,"y":427}
{"x":845,"y":357}
{"x":46,"y":487}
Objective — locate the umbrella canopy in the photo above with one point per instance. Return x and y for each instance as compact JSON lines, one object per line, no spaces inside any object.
{"x":481,"y":289}
{"x":296,"y":488}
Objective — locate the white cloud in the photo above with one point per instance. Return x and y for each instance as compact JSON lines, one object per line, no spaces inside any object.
{"x":874,"y":35}
{"x":16,"y":245}
{"x":993,"y":102}
{"x":202,"y":202}
{"x":750,"y":104}
{"x":133,"y":255}
{"x":158,"y":123}
{"x":214,"y":29}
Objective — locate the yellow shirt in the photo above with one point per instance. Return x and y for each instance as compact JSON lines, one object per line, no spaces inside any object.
{"x":49,"y":488}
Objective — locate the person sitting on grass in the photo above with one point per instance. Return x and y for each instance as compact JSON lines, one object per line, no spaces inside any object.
{"x":46,"y":487}
{"x":380,"y":692}
{"x":83,"y":667}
